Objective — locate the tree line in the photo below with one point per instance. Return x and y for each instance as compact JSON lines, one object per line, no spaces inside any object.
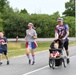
{"x":14,"y":22}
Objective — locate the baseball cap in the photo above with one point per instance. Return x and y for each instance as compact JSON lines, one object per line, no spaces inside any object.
{"x":59,"y":19}
{"x":30,"y":24}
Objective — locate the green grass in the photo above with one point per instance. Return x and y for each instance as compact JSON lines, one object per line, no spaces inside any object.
{"x":72,"y":43}
{"x":16,"y":49}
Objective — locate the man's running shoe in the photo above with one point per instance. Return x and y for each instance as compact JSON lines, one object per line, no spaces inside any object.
{"x":7,"y":62}
{"x":29,"y":61}
{"x":0,"y":63}
{"x":33,"y":62}
{"x":68,"y":60}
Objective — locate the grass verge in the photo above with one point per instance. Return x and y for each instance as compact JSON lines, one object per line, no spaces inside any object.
{"x":16,"y":49}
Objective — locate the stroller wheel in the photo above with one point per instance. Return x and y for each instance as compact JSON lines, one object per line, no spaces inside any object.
{"x":53,"y":63}
{"x":64,"y":61}
{"x":50,"y":64}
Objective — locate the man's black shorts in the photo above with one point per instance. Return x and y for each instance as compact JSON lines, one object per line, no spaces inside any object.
{"x":66,"y":43}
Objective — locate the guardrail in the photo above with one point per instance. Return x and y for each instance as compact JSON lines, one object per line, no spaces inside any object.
{"x":39,"y":39}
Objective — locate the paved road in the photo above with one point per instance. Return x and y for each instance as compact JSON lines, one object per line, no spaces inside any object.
{"x":69,"y":70}
{"x":20,"y":66}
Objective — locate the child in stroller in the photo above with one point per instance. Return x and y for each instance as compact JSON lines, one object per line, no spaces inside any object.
{"x":55,"y":57}
{"x":55,"y":53}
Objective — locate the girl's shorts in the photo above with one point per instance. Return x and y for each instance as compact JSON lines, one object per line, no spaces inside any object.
{"x":31,"y":45}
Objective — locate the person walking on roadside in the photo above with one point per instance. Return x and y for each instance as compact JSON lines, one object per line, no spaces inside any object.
{"x":62,"y":32}
{"x":3,"y":47}
{"x":30,"y":44}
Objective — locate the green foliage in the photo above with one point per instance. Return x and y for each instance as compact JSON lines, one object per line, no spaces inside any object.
{"x":1,"y":20}
{"x":14,"y":22}
{"x":3,"y":5}
{"x":71,"y":22}
{"x":15,"y":25}
{"x":70,"y":8}
{"x":24,"y":11}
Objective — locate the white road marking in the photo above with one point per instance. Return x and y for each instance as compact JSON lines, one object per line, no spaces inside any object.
{"x":41,"y":68}
{"x":36,"y":70}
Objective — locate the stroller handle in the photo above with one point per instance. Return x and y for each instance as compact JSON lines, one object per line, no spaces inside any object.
{"x":60,"y":41}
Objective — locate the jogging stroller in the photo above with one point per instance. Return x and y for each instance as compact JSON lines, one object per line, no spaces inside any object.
{"x":56,"y":57}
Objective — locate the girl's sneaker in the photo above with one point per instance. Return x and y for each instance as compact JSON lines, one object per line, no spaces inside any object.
{"x":29,"y":61}
{"x":33,"y":62}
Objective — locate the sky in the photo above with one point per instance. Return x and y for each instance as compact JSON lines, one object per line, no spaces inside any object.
{"x":39,"y":6}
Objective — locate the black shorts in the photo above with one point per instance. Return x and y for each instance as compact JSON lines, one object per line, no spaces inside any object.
{"x":66,"y":43}
{"x":3,"y":52}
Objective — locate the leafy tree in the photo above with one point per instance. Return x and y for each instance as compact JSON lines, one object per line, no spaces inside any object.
{"x":70,"y":8}
{"x":24,"y":11}
{"x":3,"y":4}
{"x":71,"y":23}
{"x":45,"y":24}
{"x":1,"y":20}
{"x":15,"y":24}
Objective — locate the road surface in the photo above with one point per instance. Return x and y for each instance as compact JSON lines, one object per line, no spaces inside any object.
{"x":19,"y":65}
